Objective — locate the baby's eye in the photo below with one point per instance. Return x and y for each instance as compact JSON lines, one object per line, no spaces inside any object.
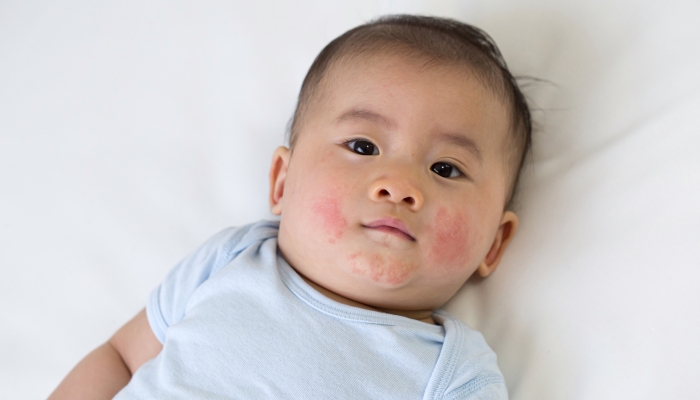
{"x":446,"y":170}
{"x":364,"y":147}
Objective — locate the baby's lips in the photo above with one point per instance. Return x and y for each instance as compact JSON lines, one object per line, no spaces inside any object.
{"x":392,"y":223}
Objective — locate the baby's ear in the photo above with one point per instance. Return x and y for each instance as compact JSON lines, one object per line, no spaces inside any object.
{"x":278,"y":174}
{"x":506,"y":231}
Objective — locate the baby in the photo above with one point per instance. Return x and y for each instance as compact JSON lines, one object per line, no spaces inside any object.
{"x":405,"y":150}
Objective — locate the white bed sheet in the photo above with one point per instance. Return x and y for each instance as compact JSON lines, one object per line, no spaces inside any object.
{"x":132,"y":131}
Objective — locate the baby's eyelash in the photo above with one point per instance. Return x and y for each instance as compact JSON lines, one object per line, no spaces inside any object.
{"x":447,"y":170}
{"x":356,"y":139}
{"x":362,"y":146}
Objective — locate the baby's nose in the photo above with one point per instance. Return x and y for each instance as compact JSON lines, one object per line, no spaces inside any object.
{"x":398,"y":191}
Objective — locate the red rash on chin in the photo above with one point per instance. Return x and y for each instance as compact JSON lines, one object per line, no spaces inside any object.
{"x":450,"y":246}
{"x":380,"y":269}
{"x":332,"y":220}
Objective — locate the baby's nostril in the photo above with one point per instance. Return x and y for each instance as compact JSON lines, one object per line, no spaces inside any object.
{"x":410,"y":200}
{"x":384,"y":192}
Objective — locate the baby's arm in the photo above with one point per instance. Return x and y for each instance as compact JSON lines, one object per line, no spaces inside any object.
{"x":105,"y":371}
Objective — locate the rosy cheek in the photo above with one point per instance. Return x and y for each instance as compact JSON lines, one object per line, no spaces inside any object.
{"x":450,"y":248}
{"x":380,"y":269}
{"x":328,"y":209}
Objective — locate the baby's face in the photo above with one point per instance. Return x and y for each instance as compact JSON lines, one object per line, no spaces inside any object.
{"x":394,"y":193}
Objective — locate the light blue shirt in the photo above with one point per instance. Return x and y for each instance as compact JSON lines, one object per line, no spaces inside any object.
{"x":237,"y":322}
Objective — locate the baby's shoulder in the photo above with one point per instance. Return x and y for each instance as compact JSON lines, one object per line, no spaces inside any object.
{"x":475,"y":372}
{"x":225,"y":245}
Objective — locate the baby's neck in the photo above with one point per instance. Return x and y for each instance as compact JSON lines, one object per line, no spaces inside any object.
{"x":420,"y":315}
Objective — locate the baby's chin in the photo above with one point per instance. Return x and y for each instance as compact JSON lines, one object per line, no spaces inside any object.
{"x":386,"y":270}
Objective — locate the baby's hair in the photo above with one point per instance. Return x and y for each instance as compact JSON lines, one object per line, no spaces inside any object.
{"x":439,"y":40}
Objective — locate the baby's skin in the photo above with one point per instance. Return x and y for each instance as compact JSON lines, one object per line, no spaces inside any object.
{"x":394,"y":193}
{"x":391,"y":198}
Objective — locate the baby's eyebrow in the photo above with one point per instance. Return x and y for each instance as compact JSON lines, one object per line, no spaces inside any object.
{"x":461,"y":141}
{"x":367,"y":115}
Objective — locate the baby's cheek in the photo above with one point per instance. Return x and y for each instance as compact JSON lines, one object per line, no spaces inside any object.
{"x":379,"y":268}
{"x":451,"y":240}
{"x":328,"y":211}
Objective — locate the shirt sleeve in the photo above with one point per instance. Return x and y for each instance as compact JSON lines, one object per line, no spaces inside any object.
{"x":167,"y":303}
{"x":476,"y":375}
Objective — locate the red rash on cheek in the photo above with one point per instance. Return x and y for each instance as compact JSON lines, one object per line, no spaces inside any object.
{"x":451,"y":240}
{"x":328,"y":209}
{"x":380,"y":269}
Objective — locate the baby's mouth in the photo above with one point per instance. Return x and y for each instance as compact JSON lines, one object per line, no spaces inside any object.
{"x":392,"y":226}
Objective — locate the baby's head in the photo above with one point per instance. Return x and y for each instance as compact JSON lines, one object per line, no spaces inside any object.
{"x":405,"y":151}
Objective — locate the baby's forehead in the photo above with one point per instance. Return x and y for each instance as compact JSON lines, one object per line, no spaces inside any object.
{"x":392,"y":66}
{"x":378,"y":73}
{"x":396,"y":59}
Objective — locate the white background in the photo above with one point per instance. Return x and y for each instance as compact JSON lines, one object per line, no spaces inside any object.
{"x":131,"y":131}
